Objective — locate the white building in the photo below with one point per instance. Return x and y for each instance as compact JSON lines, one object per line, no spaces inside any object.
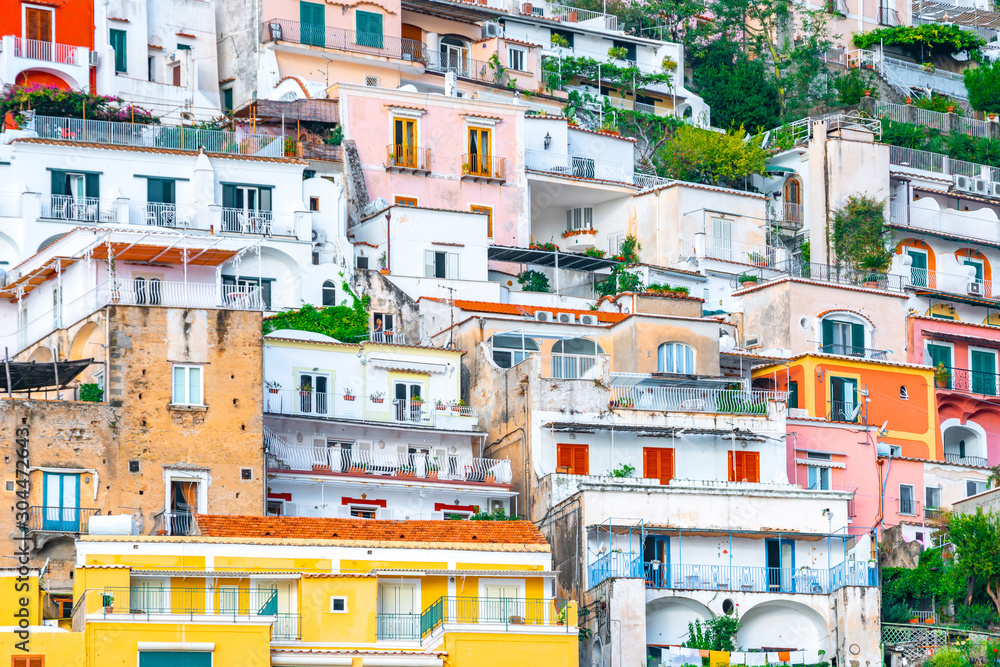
{"x":373,"y":430}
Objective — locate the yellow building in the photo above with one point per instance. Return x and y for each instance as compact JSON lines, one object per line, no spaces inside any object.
{"x":302,"y":591}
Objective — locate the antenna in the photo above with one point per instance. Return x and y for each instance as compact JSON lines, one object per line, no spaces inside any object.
{"x":883,"y":429}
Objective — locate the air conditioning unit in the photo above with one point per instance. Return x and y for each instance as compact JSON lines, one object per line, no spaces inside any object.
{"x":496,"y":505}
{"x":172,"y":59}
{"x":543,"y":316}
{"x":751,"y":342}
{"x":980,"y":186}
{"x":491,"y":29}
{"x":318,"y":236}
{"x":976,"y":288}
{"x":589,"y":320}
{"x":995,"y":190}
{"x":962,"y":183}
{"x":567,"y":318}
{"x":94,"y":58}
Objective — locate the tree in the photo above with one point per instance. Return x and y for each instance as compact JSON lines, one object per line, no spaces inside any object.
{"x":860,"y":235}
{"x":344,"y":323}
{"x":52,"y":101}
{"x":712,"y":158}
{"x":717,"y":633}
{"x":977,"y":549}
{"x":983,"y":86}
{"x":739,"y":90}
{"x":924,"y":42}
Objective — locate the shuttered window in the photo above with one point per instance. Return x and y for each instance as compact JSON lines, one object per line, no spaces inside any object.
{"x":574,"y":457}
{"x":175,"y":659}
{"x":312,"y":17}
{"x":118,"y":43}
{"x":658,"y":463}
{"x":27,"y":661}
{"x":369,"y":28}
{"x":744,"y":467}
{"x":64,"y":183}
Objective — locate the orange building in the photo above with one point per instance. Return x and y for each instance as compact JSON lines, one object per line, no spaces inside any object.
{"x":47,"y":43}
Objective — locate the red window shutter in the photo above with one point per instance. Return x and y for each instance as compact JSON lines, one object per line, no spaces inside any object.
{"x":752,"y":467}
{"x":666,"y":465}
{"x":732,"y":468}
{"x":650,"y":463}
{"x":564,"y":456}
{"x":581,"y":460}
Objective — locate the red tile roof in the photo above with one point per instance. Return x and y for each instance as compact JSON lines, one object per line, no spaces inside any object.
{"x":529,"y":311}
{"x":367,"y":530}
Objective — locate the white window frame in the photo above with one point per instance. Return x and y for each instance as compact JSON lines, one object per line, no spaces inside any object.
{"x":823,"y":475}
{"x":201,"y":477}
{"x":913,"y":499}
{"x":977,"y":482}
{"x":682,"y":345}
{"x":363,"y":508}
{"x":452,"y":266}
{"x":24,"y":19}
{"x":522,"y":56}
{"x":334,"y":598}
{"x":187,"y":384}
{"x":579,"y":218}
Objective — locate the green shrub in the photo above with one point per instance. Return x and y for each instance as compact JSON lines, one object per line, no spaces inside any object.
{"x":860,"y":235}
{"x":344,"y":323}
{"x":924,"y":42}
{"x":940,"y":104}
{"x":949,"y":657}
{"x":983,"y":86}
{"x":851,"y":86}
{"x":533,"y":281}
{"x":91,"y":392}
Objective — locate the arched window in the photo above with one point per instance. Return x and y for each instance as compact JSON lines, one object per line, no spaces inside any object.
{"x":963,"y":445}
{"x":511,"y":349}
{"x":453,"y":53}
{"x":844,"y":333}
{"x":573,"y":357}
{"x":675,"y":358}
{"x":329,"y":293}
{"x":793,"y":200}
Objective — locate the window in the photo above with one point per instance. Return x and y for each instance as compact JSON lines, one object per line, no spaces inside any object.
{"x":516,"y":59}
{"x":919,"y":275}
{"x":64,"y":607}
{"x":793,"y":394}
{"x":579,"y":218}
{"x":940,"y":355}
{"x":658,"y":463}
{"x":906,"y":504}
{"x":175,"y":658}
{"x":329,"y":293}
{"x":183,"y":47}
{"x":275,"y":508}
{"x":237,"y":287}
{"x":573,"y":459}
{"x":974,"y":487}
{"x":404,"y":140}
{"x":408,"y":400}
{"x":844,"y":399}
{"x":819,"y":478}
{"x":406,"y":201}
{"x":675,"y":358}
{"x":187,"y":385}
{"x":572,"y":358}
{"x":382,"y":325}
{"x":629,"y":49}
{"x":369,"y":28}
{"x":372,"y":81}
{"x":61,"y":493}
{"x":904,"y":395}
{"x":895,"y":450}
{"x":247,"y":197}
{"x":27,"y":661}
{"x":479,"y":152}
{"x":932,"y":497}
{"x":74,"y":185}
{"x":313,"y":393}
{"x":439,"y":264}
{"x":510,"y":350}
{"x":314,"y":203}
{"x":744,"y":466}
{"x":361,"y":262}
{"x":133,"y":466}
{"x":246,"y":474}
{"x":38,"y":26}
{"x":313,"y":23}
{"x":566,"y":35}
{"x":984,"y":372}
{"x":151,"y":68}
{"x":227,"y":100}
{"x":841,"y":337}
{"x":489,"y":217}
{"x":453,"y":52}
{"x":819,"y":456}
{"x":363,"y":512}
{"x":399,"y":599}
{"x":338,"y":604}
{"x":118,"y":42}
{"x":147,"y":289}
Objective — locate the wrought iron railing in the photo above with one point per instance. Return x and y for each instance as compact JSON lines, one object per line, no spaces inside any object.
{"x":577,"y":166}
{"x":467,"y":68}
{"x":328,"y":37}
{"x":512,"y":613}
{"x":403,"y":156}
{"x":844,"y":411}
{"x":287,"y":627}
{"x":614,"y":564}
{"x":397,"y":627}
{"x":760,"y":579}
{"x":976,"y":382}
{"x":207,"y":601}
{"x":855,"y":351}
{"x":60,"y":519}
{"x":172,"y":522}
{"x":478,"y":165}
{"x":694,"y":399}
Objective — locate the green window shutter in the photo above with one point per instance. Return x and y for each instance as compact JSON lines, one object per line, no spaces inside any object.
{"x":978,"y":266}
{"x":169,"y":192}
{"x":183,"y":47}
{"x":265,"y":199}
{"x":175,"y":659}
{"x":229,"y":196}
{"x":369,"y":29}
{"x":858,"y":339}
{"x":154,"y":190}
{"x":793,"y":394}
{"x":827,"y":335}
{"x":59,"y":182}
{"x":227,"y":100}
{"x":312,"y":18}
{"x":92,"y":183}
{"x":940,"y":355}
{"x":983,"y":372}
{"x":118,"y":43}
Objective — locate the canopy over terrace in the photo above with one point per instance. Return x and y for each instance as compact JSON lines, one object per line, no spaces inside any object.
{"x":555,"y":259}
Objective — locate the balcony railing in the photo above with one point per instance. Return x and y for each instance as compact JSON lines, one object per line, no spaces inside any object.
{"x":787,"y":216}
{"x":138,"y":601}
{"x":467,"y":68}
{"x":975,"y":382}
{"x":184,"y":295}
{"x":34,"y":49}
{"x":948,"y":221}
{"x":365,"y":408}
{"x":695,"y":399}
{"x":157,"y":136}
{"x":855,"y":351}
{"x":614,"y":564}
{"x":729,"y":250}
{"x":908,"y":506}
{"x":287,"y":627}
{"x":978,"y":461}
{"x":327,"y":37}
{"x":841,"y":275}
{"x":570,"y":14}
{"x":383,"y":463}
{"x":477,"y":166}
{"x":172,"y":522}
{"x":402,"y":157}
{"x":844,"y":411}
{"x":909,"y":113}
{"x":940,"y":164}
{"x":759,"y":579}
{"x":577,"y":166}
{"x":512,"y":613}
{"x":888,"y":16}
{"x":397,"y":627}
{"x":60,"y":519}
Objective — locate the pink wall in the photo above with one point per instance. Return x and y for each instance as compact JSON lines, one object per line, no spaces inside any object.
{"x":441,"y":127}
{"x":335,"y":17}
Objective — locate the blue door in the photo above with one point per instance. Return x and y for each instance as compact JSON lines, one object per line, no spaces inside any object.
{"x":780,"y":559}
{"x":61,"y":492}
{"x":656,"y":561}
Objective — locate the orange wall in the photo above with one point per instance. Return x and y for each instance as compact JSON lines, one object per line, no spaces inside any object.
{"x":74,"y":20}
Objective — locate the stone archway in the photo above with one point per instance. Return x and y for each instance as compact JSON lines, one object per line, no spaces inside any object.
{"x":784,"y":624}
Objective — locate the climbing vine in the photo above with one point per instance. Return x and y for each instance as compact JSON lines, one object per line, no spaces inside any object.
{"x":346,"y":323}
{"x":860,"y":235}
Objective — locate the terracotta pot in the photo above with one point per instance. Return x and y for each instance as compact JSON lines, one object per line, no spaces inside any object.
{"x":868,"y":93}
{"x":909,"y":100}
{"x":951,"y":109}
{"x":348,"y":398}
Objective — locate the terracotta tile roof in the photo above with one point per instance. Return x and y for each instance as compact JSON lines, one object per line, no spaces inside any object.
{"x":149,"y":149}
{"x":529,"y":311}
{"x":367,"y":530}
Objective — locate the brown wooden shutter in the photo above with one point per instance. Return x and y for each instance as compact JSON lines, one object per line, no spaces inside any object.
{"x":751,"y":466}
{"x":732,"y":467}
{"x":650,"y":463}
{"x":581,"y":460}
{"x":564,"y":456}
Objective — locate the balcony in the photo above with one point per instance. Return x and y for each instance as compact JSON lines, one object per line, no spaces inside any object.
{"x":729,"y":250}
{"x":854,"y":351}
{"x":888,"y":16}
{"x":397,"y":627}
{"x":962,"y":284}
{"x":787,"y":216}
{"x":467,"y":68}
{"x":912,"y":159}
{"x":206,"y":604}
{"x":60,"y":519}
{"x":568,"y":14}
{"x":72,"y":63}
{"x":371,"y":408}
{"x":844,"y":411}
{"x":407,"y":159}
{"x":383,"y":464}
{"x":576,"y":166}
{"x":974,"y":382}
{"x":839,"y":275}
{"x":287,"y":627}
{"x":155,"y":136}
{"x":513,"y":614}
{"x":489,"y":168}
{"x":629,"y":105}
{"x":172,"y":522}
{"x":338,"y":39}
{"x":946,"y":221}
{"x":759,"y":579}
{"x":711,"y":399}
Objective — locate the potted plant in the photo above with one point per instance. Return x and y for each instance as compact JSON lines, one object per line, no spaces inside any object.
{"x":756,"y":258}
{"x":456,"y":406}
{"x":618,"y":52}
{"x":108,"y":601}
{"x":405,"y":471}
{"x":564,"y":470}
{"x":377,"y":397}
{"x":909,"y":100}
{"x":875,"y":266}
{"x":383,"y":263}
{"x":868,"y":93}
{"x":348,"y":396}
{"x":562,"y":615}
{"x":490,"y":478}
{"x":272,"y":386}
{"x":433,"y":468}
{"x":357,"y":467}
{"x":991,"y":116}
{"x":668,"y":63}
{"x":951,"y":108}
{"x":440,"y":405}
{"x":942,"y":376}
{"x":746,"y":280}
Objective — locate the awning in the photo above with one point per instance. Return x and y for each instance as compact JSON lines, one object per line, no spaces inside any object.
{"x":217,"y":574}
{"x":563,"y":260}
{"x":778,"y":170}
{"x":28,"y":375}
{"x":408,"y":366}
{"x":656,"y":432}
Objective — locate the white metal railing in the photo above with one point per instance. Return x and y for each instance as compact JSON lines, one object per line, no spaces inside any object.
{"x":577,"y":166}
{"x":80,"y":209}
{"x":864,"y":59}
{"x":978,"y":461}
{"x":940,"y":164}
{"x":384,"y":463}
{"x":575,"y":15}
{"x":571,"y":366}
{"x":157,"y":136}
{"x":730,"y":250}
{"x":694,"y":399}
{"x":34,"y":49}
{"x":908,"y":113}
{"x":948,"y":221}
{"x":644,"y":181}
{"x":310,"y":403}
{"x":256,"y":221}
{"x":159,"y":214}
{"x":916,"y":67}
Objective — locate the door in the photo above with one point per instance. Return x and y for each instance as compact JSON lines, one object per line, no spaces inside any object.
{"x":744,"y":467}
{"x":37,"y":29}
{"x":843,"y":399}
{"x":502,"y":603}
{"x":408,"y":401}
{"x":847,"y":338}
{"x":149,"y":595}
{"x":941,"y":355}
{"x":161,"y":199}
{"x":398,"y":611}
{"x":313,"y":21}
{"x":658,"y":463}
{"x":722,"y":239}
{"x":313,"y":393}
{"x":453,"y":58}
{"x":918,"y":268}
{"x":183,"y":504}
{"x":369,"y":27}
{"x":62,"y":502}
{"x":479,"y":151}
{"x":780,"y":563}
{"x":984,"y":368}
{"x":175,"y":659}
{"x":404,"y":139}
{"x":656,"y":559}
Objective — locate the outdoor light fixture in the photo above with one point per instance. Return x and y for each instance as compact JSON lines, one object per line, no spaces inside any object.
{"x":548,"y":140}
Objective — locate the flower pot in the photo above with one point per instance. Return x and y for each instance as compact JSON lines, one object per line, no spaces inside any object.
{"x":377,"y":400}
{"x":321,"y":467}
{"x":348,"y":398}
{"x":490,"y":479}
{"x":272,"y":391}
{"x":909,"y":100}
{"x":108,"y":609}
{"x":951,"y":109}
{"x":442,"y":407}
{"x":914,"y":620}
{"x":749,"y":283}
{"x":992,"y":116}
{"x":456,"y":408}
{"x":432,"y":474}
{"x":868,"y":93}
{"x":384,"y":272}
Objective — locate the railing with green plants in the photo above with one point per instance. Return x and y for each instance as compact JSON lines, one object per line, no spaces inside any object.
{"x":157,"y":136}
{"x":945,"y":122}
{"x":483,"y":71}
{"x":397,"y":627}
{"x":407,"y":158}
{"x":60,"y":519}
{"x":384,"y":463}
{"x":839,"y":275}
{"x":287,"y":627}
{"x":512,"y":613}
{"x":694,"y":399}
{"x":489,"y":167}
{"x":224,"y":602}
{"x":368,"y":43}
